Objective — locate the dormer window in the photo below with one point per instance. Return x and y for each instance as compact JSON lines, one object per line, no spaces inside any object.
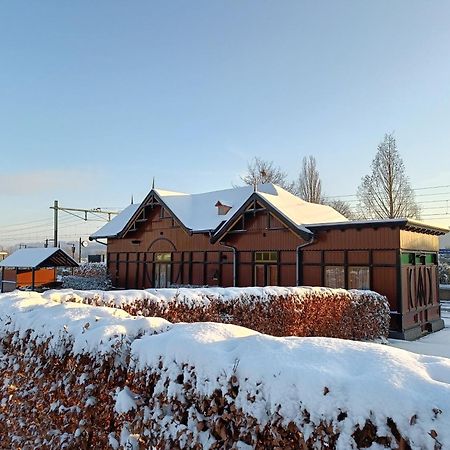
{"x":222,"y":209}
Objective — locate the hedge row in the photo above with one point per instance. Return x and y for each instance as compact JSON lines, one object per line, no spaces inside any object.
{"x":70,"y":402}
{"x":82,"y":377}
{"x":360,"y":315}
{"x":60,"y":366}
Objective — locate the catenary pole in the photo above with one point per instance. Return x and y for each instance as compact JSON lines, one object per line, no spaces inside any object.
{"x":55,"y":223}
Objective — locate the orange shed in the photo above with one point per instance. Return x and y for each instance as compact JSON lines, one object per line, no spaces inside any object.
{"x":32,"y":267}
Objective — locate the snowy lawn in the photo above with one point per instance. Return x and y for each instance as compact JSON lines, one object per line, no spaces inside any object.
{"x":436,"y":344}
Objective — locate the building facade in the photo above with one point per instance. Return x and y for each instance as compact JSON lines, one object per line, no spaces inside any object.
{"x":241,"y":237}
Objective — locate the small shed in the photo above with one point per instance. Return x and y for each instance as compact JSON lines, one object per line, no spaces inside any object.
{"x":32,"y":267}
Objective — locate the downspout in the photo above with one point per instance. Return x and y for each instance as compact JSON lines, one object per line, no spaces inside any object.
{"x":297,"y":259}
{"x":234,"y":261}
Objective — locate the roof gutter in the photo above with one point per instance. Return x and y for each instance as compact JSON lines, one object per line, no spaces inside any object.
{"x":97,"y":240}
{"x":297,"y":258}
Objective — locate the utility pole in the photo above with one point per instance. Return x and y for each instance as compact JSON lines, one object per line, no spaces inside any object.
{"x":98,"y":212}
{"x":73,"y":254}
{"x":55,"y":223}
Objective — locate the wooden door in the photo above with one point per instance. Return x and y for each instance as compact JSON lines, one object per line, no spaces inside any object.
{"x":266,"y":275}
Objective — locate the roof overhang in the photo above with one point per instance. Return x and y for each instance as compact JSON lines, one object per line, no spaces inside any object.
{"x":404,"y":224}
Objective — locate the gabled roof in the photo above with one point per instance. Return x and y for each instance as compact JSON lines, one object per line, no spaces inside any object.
{"x":34,"y":258}
{"x":198,"y":212}
{"x":297,"y":210}
{"x":290,"y":209}
{"x":117,"y":224}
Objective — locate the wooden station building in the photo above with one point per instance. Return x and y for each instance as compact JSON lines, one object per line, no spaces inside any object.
{"x":267,"y":236}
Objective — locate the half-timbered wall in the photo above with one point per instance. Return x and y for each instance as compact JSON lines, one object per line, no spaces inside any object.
{"x":132,"y":260}
{"x":195,"y":261}
{"x":264,"y":234}
{"x":372,"y":251}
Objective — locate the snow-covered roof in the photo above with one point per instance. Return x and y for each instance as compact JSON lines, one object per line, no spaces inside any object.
{"x":297,"y":210}
{"x":198,"y":212}
{"x":117,"y":224}
{"x":38,"y":257}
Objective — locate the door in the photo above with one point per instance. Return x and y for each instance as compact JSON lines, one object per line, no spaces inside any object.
{"x":266,"y":275}
{"x":163,"y":270}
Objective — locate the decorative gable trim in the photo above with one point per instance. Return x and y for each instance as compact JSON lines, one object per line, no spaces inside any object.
{"x":140,"y":216}
{"x":256,"y":203}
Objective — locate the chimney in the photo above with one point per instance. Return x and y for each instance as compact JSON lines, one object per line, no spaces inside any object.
{"x":222,"y":209}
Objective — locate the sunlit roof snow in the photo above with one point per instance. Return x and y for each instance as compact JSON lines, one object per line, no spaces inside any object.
{"x":117,"y":224}
{"x":34,"y":257}
{"x":198,"y":212}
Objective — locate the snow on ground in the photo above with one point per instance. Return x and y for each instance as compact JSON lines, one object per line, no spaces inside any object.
{"x":436,"y":344}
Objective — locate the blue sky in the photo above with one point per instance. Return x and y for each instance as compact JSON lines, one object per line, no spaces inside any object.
{"x":96,"y":98}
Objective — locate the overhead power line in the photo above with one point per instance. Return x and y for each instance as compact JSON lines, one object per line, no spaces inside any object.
{"x":76,"y":212}
{"x":414,"y":189}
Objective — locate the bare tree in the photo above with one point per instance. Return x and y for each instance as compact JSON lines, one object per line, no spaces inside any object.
{"x":386,"y":192}
{"x":260,"y":171}
{"x":309,"y":186}
{"x":342,"y":207}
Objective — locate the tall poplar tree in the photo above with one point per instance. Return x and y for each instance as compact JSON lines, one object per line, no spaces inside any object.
{"x":386,"y":193}
{"x":309,"y":185}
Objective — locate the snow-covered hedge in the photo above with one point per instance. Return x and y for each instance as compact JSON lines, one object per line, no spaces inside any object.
{"x":279,"y":311}
{"x":77,"y":376}
{"x":88,"y":276}
{"x":60,"y":365}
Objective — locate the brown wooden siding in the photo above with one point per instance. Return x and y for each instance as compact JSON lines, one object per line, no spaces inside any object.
{"x":356,"y":239}
{"x":384,"y":281}
{"x":358,"y":258}
{"x":258,"y":237}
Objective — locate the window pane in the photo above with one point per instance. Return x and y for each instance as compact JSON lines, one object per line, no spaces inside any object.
{"x":358,"y":278}
{"x":334,"y":277}
{"x":407,"y":258}
{"x":160,"y":257}
{"x":429,"y":258}
{"x":266,"y":257}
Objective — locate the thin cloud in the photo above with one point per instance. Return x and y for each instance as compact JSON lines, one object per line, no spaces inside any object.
{"x":44,"y":181}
